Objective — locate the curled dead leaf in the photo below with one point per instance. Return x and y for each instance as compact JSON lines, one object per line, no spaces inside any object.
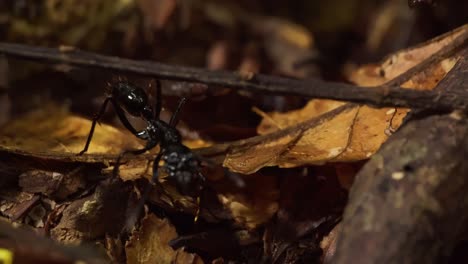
{"x":150,"y":244}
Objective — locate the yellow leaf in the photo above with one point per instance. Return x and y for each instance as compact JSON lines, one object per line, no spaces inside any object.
{"x":53,"y":128}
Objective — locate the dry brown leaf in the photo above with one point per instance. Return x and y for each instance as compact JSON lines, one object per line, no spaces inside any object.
{"x":287,"y":31}
{"x":313,"y":136}
{"x":93,"y":216}
{"x":53,"y":128}
{"x":286,"y":43}
{"x":217,"y":57}
{"x":399,"y":62}
{"x":132,"y":170}
{"x":150,"y":244}
{"x":157,"y":13}
{"x":255,"y":204}
{"x":183,"y":257}
{"x":328,"y":244}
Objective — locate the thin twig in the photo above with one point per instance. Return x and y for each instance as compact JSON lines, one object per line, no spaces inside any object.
{"x":380,"y":96}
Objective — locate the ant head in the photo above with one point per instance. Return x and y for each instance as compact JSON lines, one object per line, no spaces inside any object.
{"x":130,"y":97}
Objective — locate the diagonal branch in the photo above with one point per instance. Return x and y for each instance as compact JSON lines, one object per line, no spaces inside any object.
{"x":386,"y":95}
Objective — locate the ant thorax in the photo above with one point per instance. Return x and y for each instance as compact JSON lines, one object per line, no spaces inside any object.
{"x":169,"y":136}
{"x":179,"y":157}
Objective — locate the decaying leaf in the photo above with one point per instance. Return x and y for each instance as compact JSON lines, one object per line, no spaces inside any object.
{"x":72,"y":22}
{"x":157,"y":13}
{"x":29,"y":247}
{"x":399,"y":62}
{"x":150,"y":244}
{"x":327,"y":131}
{"x":54,"y":129}
{"x":52,"y":184}
{"x":255,"y":204}
{"x":271,"y":149}
{"x":95,"y":215}
{"x":328,"y":244}
{"x":18,"y":203}
{"x":287,"y":44}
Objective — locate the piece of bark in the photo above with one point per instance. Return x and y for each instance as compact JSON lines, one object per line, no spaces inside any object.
{"x":15,"y":204}
{"x":52,"y":184}
{"x":409,"y":203}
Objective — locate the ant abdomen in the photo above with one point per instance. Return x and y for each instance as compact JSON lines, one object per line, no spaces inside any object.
{"x":131,"y":98}
{"x":182,"y":166}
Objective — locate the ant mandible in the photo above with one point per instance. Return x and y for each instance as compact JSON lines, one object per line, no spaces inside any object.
{"x":181,"y":164}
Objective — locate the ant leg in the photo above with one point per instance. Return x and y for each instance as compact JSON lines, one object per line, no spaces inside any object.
{"x":174,"y":117}
{"x":155,"y":180}
{"x":198,"y":199}
{"x":231,"y":176}
{"x":155,"y":177}
{"x":123,"y":119}
{"x":158,"y":104}
{"x":197,"y":213}
{"x":132,"y":218}
{"x":149,"y":145}
{"x":93,"y":125}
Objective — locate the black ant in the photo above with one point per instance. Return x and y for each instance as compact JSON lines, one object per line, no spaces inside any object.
{"x":181,"y":164}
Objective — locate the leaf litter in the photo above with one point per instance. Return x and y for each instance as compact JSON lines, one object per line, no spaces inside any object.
{"x":323,"y":131}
